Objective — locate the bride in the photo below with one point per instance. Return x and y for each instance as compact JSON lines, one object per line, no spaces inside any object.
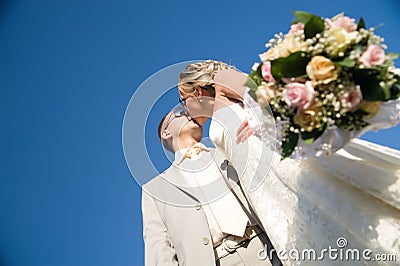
{"x":341,"y":209}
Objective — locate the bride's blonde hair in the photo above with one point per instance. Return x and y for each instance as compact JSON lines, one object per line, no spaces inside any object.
{"x":199,"y":74}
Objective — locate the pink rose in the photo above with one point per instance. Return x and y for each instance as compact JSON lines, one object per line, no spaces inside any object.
{"x":345,"y":22}
{"x":298,"y":94}
{"x":266,"y":72}
{"x":373,"y":56}
{"x":352,"y":99}
{"x":296,"y":27}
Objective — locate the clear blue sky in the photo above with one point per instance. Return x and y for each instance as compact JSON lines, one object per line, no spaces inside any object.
{"x":67,"y":72}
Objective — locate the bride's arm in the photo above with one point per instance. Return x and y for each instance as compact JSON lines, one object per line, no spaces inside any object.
{"x":229,"y":88}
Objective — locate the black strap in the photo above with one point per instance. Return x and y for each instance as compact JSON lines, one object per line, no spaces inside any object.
{"x":275,"y":261}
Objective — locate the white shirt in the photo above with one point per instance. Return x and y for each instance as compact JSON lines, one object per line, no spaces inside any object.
{"x":224,"y":213}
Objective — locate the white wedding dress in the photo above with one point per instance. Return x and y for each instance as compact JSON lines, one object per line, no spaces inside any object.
{"x":349,"y":200}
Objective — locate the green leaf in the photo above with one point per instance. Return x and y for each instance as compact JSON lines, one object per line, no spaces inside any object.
{"x":251,"y":92}
{"x":289,"y":144}
{"x":395,"y":92}
{"x":395,"y":89}
{"x":313,"y":27}
{"x":251,"y":84}
{"x":309,"y":141}
{"x":269,"y":110}
{"x":361,"y":24}
{"x":292,"y":66}
{"x":295,"y":21}
{"x":346,"y":62}
{"x":254,"y":80}
{"x":302,"y":16}
{"x":392,"y":56}
{"x":378,"y":26}
{"x":255,"y":75}
{"x":369,"y":82}
{"x":397,"y":77}
{"x":312,"y":24}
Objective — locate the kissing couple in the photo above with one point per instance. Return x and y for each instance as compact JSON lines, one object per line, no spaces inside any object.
{"x":198,"y":212}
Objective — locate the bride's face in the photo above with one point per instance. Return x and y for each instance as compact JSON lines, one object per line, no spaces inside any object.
{"x":200,"y":105}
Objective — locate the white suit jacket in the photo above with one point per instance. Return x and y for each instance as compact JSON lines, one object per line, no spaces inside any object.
{"x":176,"y":235}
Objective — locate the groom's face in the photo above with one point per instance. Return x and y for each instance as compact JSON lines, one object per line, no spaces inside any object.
{"x":182,"y":125}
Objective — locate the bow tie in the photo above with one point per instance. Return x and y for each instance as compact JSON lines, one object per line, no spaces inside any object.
{"x":194,"y":150}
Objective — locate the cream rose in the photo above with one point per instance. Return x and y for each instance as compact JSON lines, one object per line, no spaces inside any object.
{"x":308,"y":118}
{"x":321,"y":70}
{"x":290,"y":44}
{"x":337,"y":36}
{"x":282,"y":50}
{"x":339,"y":39}
{"x":271,"y":54}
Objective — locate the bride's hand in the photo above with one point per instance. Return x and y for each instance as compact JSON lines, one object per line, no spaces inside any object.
{"x":244,"y":132}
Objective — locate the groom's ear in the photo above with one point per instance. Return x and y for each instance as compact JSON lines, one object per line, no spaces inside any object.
{"x":166,"y":135}
{"x":166,"y":140}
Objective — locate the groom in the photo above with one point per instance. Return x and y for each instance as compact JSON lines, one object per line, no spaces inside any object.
{"x":195,"y":213}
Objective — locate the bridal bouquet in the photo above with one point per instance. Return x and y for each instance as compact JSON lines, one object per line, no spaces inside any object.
{"x":324,"y":81}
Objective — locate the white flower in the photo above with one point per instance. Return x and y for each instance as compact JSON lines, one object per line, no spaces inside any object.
{"x":338,"y":39}
{"x":255,"y":66}
{"x":395,"y":71}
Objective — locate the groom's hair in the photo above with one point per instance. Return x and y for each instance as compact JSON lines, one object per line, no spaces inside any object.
{"x":167,"y":144}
